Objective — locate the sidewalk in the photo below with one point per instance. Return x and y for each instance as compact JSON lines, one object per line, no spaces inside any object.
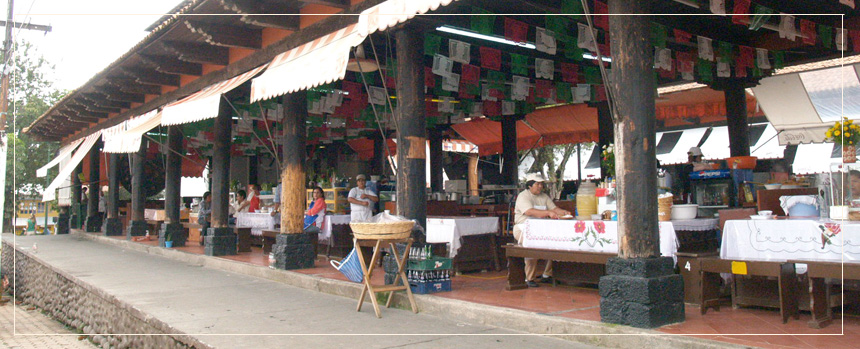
{"x":230,"y":310}
{"x":32,"y":329}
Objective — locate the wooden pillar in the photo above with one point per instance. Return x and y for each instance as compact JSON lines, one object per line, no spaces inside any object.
{"x":172,"y":230}
{"x":293,"y":191}
{"x":436,"y":163}
{"x":605,"y":130}
{"x":223,"y":129}
{"x":137,"y":225}
{"x":94,"y":221}
{"x":377,"y":163}
{"x":76,"y":218}
{"x":736,"y":118}
{"x":113,"y":225}
{"x":510,"y":176}
{"x":412,"y":135}
{"x":253,"y":166}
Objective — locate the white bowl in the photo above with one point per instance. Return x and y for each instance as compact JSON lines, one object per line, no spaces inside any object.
{"x":766,"y":213}
{"x":759,"y":217}
{"x":772,"y":186}
{"x":680,"y":212}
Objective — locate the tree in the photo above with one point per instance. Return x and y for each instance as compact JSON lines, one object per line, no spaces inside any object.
{"x":31,"y":95}
{"x":551,"y":161}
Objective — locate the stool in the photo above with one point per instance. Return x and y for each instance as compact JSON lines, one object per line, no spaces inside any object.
{"x":378,"y":245}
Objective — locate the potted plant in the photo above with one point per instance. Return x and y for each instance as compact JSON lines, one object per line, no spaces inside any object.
{"x":845,"y":133}
{"x":607,"y":159}
{"x":168,"y":239}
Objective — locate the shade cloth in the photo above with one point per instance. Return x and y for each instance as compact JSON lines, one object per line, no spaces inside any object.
{"x":65,"y":172}
{"x":64,"y":152}
{"x":487,"y":135}
{"x":764,"y":146}
{"x":780,"y":240}
{"x":204,"y":104}
{"x":815,"y":158}
{"x":678,"y":154}
{"x":450,"y":229}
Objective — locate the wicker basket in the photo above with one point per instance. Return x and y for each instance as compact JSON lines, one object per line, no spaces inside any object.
{"x":382,"y":231}
{"x":664,"y":209}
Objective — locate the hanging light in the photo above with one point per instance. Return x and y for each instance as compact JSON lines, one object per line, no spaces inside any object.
{"x":360,"y":64}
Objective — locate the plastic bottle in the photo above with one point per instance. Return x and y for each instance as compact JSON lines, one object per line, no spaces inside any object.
{"x":586,"y":201}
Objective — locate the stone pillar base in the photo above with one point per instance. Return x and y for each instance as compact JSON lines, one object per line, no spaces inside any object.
{"x":63,"y":223}
{"x":220,"y":242}
{"x":295,"y":251}
{"x":641,"y":292}
{"x":73,"y":222}
{"x":136,"y":228}
{"x":112,"y":227}
{"x":93,"y":224}
{"x":177,"y":233}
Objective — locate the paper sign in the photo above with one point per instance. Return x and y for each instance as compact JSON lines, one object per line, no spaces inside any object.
{"x":459,"y":51}
{"x":545,"y":41}
{"x":451,"y":83}
{"x":544,"y":68}
{"x":509,"y":107}
{"x":739,"y":268}
{"x":706,"y":48}
{"x":585,"y":38}
{"x":520,"y":89}
{"x":724,"y":70}
{"x":663,"y":58}
{"x":786,"y":27}
{"x":442,"y":65}
{"x":377,"y":95}
{"x":446,"y":105}
{"x":762,"y":60}
{"x":581,"y":93}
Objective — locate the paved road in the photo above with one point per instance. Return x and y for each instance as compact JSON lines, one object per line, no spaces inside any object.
{"x":32,"y":329}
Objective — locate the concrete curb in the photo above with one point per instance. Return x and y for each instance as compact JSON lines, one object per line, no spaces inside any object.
{"x":589,"y":332}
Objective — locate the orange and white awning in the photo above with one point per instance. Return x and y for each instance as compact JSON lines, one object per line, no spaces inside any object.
{"x":203,"y":104}
{"x":51,"y":191}
{"x":459,"y":146}
{"x":324,"y":60}
{"x":65,"y":152}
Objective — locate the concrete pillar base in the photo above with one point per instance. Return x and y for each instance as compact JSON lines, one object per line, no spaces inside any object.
{"x":93,"y":224}
{"x":136,"y":228}
{"x":220,"y":242}
{"x":112,"y":227}
{"x":63,"y":223}
{"x":178,"y":234}
{"x":641,"y":292}
{"x":295,"y":251}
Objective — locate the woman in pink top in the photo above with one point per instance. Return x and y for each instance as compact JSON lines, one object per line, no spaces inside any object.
{"x":316,"y":211}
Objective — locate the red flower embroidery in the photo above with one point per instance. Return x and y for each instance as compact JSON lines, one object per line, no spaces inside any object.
{"x":836,"y":228}
{"x":579,"y":226}
{"x":600,"y":227}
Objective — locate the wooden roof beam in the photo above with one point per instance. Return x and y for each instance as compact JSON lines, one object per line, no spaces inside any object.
{"x":227,"y":35}
{"x":114,"y":94}
{"x":76,"y":116}
{"x":198,"y":53}
{"x":151,"y":77}
{"x":102,"y":100}
{"x":267,"y":15}
{"x":341,"y":4}
{"x":131,"y":85}
{"x":170,"y":65}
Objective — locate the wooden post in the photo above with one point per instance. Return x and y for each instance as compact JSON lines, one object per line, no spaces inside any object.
{"x":377,"y":164}
{"x":253,"y":167}
{"x":113,"y":225}
{"x":75,"y":218}
{"x":293,"y":187}
{"x":223,"y":129}
{"x":412,"y":135}
{"x":509,"y":150}
{"x":736,"y":118}
{"x":137,"y":225}
{"x":436,"y":163}
{"x":172,"y":230}
{"x":94,"y":222}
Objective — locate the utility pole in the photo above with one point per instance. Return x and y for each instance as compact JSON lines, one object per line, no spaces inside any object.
{"x":7,"y":63}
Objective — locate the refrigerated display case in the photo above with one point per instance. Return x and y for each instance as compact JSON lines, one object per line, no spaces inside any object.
{"x":335,"y":199}
{"x":712,"y":190}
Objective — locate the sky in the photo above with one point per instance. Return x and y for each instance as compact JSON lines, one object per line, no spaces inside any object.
{"x":87,"y":35}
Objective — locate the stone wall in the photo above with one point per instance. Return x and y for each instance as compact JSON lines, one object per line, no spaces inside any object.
{"x":85,"y":308}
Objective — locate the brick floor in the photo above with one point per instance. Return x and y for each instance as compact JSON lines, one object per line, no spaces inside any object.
{"x":32,"y":329}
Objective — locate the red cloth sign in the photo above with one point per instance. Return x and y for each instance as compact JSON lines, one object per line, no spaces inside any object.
{"x":491,"y":58}
{"x":515,"y":30}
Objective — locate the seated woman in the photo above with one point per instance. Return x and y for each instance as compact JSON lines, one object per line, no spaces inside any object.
{"x":315,"y":214}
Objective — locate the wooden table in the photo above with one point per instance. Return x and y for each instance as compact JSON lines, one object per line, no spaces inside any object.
{"x":784,"y":272}
{"x":154,"y":224}
{"x":819,"y":293}
{"x":516,"y":262}
{"x":368,"y":269}
{"x":194,"y":233}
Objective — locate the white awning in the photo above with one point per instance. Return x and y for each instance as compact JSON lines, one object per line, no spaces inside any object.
{"x":678,"y":155}
{"x":324,"y":60}
{"x":204,"y":103}
{"x":64,"y":152}
{"x":716,"y":147}
{"x":65,"y":172}
{"x":803,"y":105}
{"x":128,"y":141}
{"x":768,"y":146}
{"x":814,"y":158}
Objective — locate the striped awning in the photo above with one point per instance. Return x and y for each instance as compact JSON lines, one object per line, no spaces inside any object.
{"x":324,"y":60}
{"x":125,"y":137}
{"x":204,"y":103}
{"x":65,"y":152}
{"x":50,"y":192}
{"x":762,"y":140}
{"x":459,"y":146}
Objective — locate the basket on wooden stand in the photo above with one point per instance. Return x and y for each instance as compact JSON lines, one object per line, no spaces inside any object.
{"x":382,"y":231}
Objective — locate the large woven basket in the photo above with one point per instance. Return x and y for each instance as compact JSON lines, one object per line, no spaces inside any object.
{"x":382,"y":231}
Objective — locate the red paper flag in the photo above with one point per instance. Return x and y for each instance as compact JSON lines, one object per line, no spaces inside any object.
{"x":670,"y":73}
{"x":746,"y":58}
{"x":543,"y":88}
{"x":740,"y":71}
{"x":682,"y":36}
{"x":741,"y":10}
{"x":601,"y":10}
{"x":600,"y":93}
{"x":515,"y":30}
{"x":464,"y":92}
{"x":491,"y":58}
{"x":470,"y":74}
{"x":855,"y":39}
{"x":807,"y":29}
{"x":492,"y":108}
{"x":530,"y":98}
{"x":429,"y":78}
{"x":352,"y":89}
{"x":431,"y":108}
{"x":605,"y":50}
{"x":497,"y":93}
{"x":570,"y":73}
{"x":684,"y":62}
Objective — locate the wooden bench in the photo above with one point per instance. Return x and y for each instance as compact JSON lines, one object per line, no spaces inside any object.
{"x":516,"y":263}
{"x":194,"y":233}
{"x":819,"y":292}
{"x":783,"y":271}
{"x":269,"y":238}
{"x":243,"y":242}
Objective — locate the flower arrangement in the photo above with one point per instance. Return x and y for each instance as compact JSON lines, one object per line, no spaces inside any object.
{"x":607,"y":159}
{"x":843,"y":132}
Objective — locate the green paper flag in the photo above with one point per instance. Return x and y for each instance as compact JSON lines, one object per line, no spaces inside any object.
{"x":572,"y":50}
{"x":496,"y":79}
{"x":756,"y":72}
{"x":572,"y":8}
{"x":483,"y":21}
{"x":592,"y":75}
{"x":706,"y":70}
{"x":369,"y":78}
{"x":431,"y":44}
{"x":438,"y":91}
{"x":825,"y":33}
{"x":724,"y":51}
{"x":560,"y":26}
{"x":524,"y":108}
{"x":519,"y":64}
{"x":562,"y":92}
{"x":474,"y":90}
{"x":761,"y":15}
{"x":778,"y":59}
{"x":658,"y":35}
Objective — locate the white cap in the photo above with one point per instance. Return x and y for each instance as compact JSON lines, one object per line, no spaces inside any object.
{"x":695,"y":151}
{"x":537,"y":177}
{"x":361,"y":176}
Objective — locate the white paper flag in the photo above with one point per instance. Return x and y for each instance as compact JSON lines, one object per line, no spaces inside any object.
{"x":718,"y":7}
{"x":442,"y":65}
{"x":376,"y":95}
{"x":761,"y":58}
{"x":581,"y":93}
{"x":336,"y":122}
{"x":849,"y":3}
{"x":477,"y":109}
{"x":446,"y":105}
{"x":520,"y":89}
{"x":544,"y":68}
{"x":459,"y":51}
{"x":316,"y":107}
{"x":451,"y":83}
{"x":687,"y":76}
{"x":724,"y":70}
{"x":585,"y":38}
{"x":663,"y":58}
{"x":545,"y":41}
{"x":458,"y":117}
{"x":840,"y":39}
{"x":485,"y":93}
{"x":508,"y":107}
{"x":786,"y":27}
{"x":350,"y":132}
{"x":706,"y":49}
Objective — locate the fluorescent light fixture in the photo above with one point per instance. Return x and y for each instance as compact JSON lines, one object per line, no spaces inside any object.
{"x":591,"y":56}
{"x":471,"y":34}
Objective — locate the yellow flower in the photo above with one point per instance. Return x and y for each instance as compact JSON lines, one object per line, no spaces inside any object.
{"x":837,"y":133}
{"x":829,"y":134}
{"x":847,"y":134}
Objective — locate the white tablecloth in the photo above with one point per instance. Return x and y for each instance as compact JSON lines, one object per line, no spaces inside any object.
{"x":699,"y":224}
{"x":450,"y":229}
{"x":589,"y":236}
{"x":784,"y":239}
{"x":256,"y":221}
{"x":325,"y":232}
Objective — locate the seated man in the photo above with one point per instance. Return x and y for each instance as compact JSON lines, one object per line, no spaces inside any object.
{"x":534,"y":203}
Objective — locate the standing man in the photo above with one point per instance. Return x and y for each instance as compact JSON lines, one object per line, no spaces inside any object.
{"x":203,"y":215}
{"x":534,"y":203}
{"x":361,"y":201}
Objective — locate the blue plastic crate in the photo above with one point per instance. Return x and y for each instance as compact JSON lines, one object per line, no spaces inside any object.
{"x":430,"y":287}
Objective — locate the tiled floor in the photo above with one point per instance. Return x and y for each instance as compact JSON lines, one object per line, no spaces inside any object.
{"x":745,"y":326}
